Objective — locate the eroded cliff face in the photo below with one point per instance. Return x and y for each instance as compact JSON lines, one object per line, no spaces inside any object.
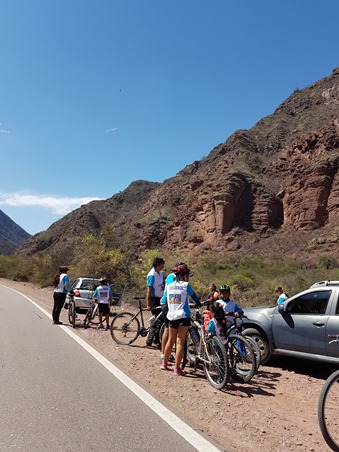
{"x":277,"y":182}
{"x":281,"y":175}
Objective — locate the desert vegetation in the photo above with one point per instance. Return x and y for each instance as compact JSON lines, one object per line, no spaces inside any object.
{"x":252,"y":278}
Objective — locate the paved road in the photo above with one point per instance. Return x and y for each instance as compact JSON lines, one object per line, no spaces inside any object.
{"x":56,"y":396}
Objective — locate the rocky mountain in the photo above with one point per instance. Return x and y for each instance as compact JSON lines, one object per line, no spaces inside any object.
{"x":273,"y":188}
{"x":11,"y":235}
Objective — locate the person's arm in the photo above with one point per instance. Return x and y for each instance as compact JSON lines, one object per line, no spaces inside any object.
{"x":148,"y":296}
{"x":193,"y":295}
{"x":95,"y":295}
{"x":67,"y":284}
{"x":238,"y":310}
{"x":163,"y":300}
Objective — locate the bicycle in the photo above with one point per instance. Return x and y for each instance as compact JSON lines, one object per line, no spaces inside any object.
{"x":72,"y":315}
{"x":241,"y":358}
{"x":92,"y":315}
{"x":208,"y":350}
{"x":328,"y":410}
{"x":244,"y":367}
{"x":125,"y":327}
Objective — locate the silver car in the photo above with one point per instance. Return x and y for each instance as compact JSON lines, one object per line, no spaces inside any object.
{"x":83,"y":289}
{"x":305,"y":325}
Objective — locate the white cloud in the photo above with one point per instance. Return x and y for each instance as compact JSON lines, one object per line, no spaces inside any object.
{"x":4,"y":131}
{"x":57,"y":205}
{"x":111,"y":130}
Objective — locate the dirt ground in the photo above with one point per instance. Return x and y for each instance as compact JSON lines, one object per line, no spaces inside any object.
{"x":275,"y":411}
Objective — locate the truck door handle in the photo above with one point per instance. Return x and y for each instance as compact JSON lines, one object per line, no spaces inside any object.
{"x":319,"y":324}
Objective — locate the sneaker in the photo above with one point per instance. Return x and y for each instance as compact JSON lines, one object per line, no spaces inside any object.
{"x":161,"y":358}
{"x":179,"y":372}
{"x":58,"y":323}
{"x":101,"y":326}
{"x":163,"y":365}
{"x":171,"y":359}
{"x":107,"y":327}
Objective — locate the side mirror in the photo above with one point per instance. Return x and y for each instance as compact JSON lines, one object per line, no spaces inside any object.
{"x":281,"y":308}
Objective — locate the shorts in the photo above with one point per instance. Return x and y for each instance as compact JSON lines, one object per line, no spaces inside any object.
{"x":186,"y":321}
{"x":164,"y":310}
{"x":103,"y":308}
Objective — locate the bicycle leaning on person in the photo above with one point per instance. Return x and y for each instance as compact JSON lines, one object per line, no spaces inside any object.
{"x":103,"y":296}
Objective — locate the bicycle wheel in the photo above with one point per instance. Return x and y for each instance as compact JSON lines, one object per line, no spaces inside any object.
{"x":95,"y":315}
{"x":190,"y":353}
{"x":71,"y":314}
{"x":256,"y":350}
{"x":241,"y":358}
{"x":328,"y":411}
{"x":125,"y":328}
{"x":215,"y":362}
{"x":88,"y":317}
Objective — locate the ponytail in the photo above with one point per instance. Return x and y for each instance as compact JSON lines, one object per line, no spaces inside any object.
{"x":56,"y":280}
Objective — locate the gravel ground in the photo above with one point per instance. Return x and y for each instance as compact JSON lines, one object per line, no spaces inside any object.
{"x":275,"y":411}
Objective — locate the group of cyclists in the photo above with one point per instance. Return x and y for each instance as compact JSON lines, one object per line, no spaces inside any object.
{"x":172,"y":296}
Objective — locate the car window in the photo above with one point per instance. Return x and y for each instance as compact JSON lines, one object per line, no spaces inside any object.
{"x":310,"y":303}
{"x":88,"y":284}
{"x":337,"y":310}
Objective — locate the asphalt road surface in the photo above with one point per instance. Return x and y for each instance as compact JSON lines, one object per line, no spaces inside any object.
{"x":59,"y":394}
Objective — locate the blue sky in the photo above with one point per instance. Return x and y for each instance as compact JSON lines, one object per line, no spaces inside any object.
{"x":95,"y":94}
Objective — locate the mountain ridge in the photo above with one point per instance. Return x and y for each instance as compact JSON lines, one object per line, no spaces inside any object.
{"x":11,"y":234}
{"x":276,"y":184}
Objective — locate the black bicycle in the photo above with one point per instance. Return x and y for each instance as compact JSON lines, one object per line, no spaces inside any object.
{"x":72,"y":315}
{"x":328,"y":411}
{"x":242,"y":365}
{"x":208,"y":350}
{"x":126,"y":328}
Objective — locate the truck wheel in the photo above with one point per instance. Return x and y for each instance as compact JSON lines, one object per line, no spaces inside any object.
{"x":261,"y":341}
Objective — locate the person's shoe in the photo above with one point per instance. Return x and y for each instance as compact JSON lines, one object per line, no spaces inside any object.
{"x":161,"y":358}
{"x":101,"y":326}
{"x":171,"y":359}
{"x":58,"y":323}
{"x":107,"y":327}
{"x":163,"y":365}
{"x":179,"y":372}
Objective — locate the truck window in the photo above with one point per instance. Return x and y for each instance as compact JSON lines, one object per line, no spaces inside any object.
{"x":310,"y":303}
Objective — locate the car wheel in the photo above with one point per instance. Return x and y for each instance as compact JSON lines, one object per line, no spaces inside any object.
{"x":261,"y":341}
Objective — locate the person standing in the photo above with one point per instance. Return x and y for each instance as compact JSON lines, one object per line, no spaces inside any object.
{"x":213,"y":293}
{"x":281,"y":295}
{"x":164,"y":307}
{"x":179,"y":315}
{"x":154,"y":292}
{"x":103,"y":295}
{"x":61,"y":287}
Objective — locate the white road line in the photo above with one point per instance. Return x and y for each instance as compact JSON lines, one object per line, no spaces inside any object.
{"x":188,"y":433}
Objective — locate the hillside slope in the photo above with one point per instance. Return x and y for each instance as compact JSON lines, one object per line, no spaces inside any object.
{"x":274,"y":187}
{"x":11,"y":234}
